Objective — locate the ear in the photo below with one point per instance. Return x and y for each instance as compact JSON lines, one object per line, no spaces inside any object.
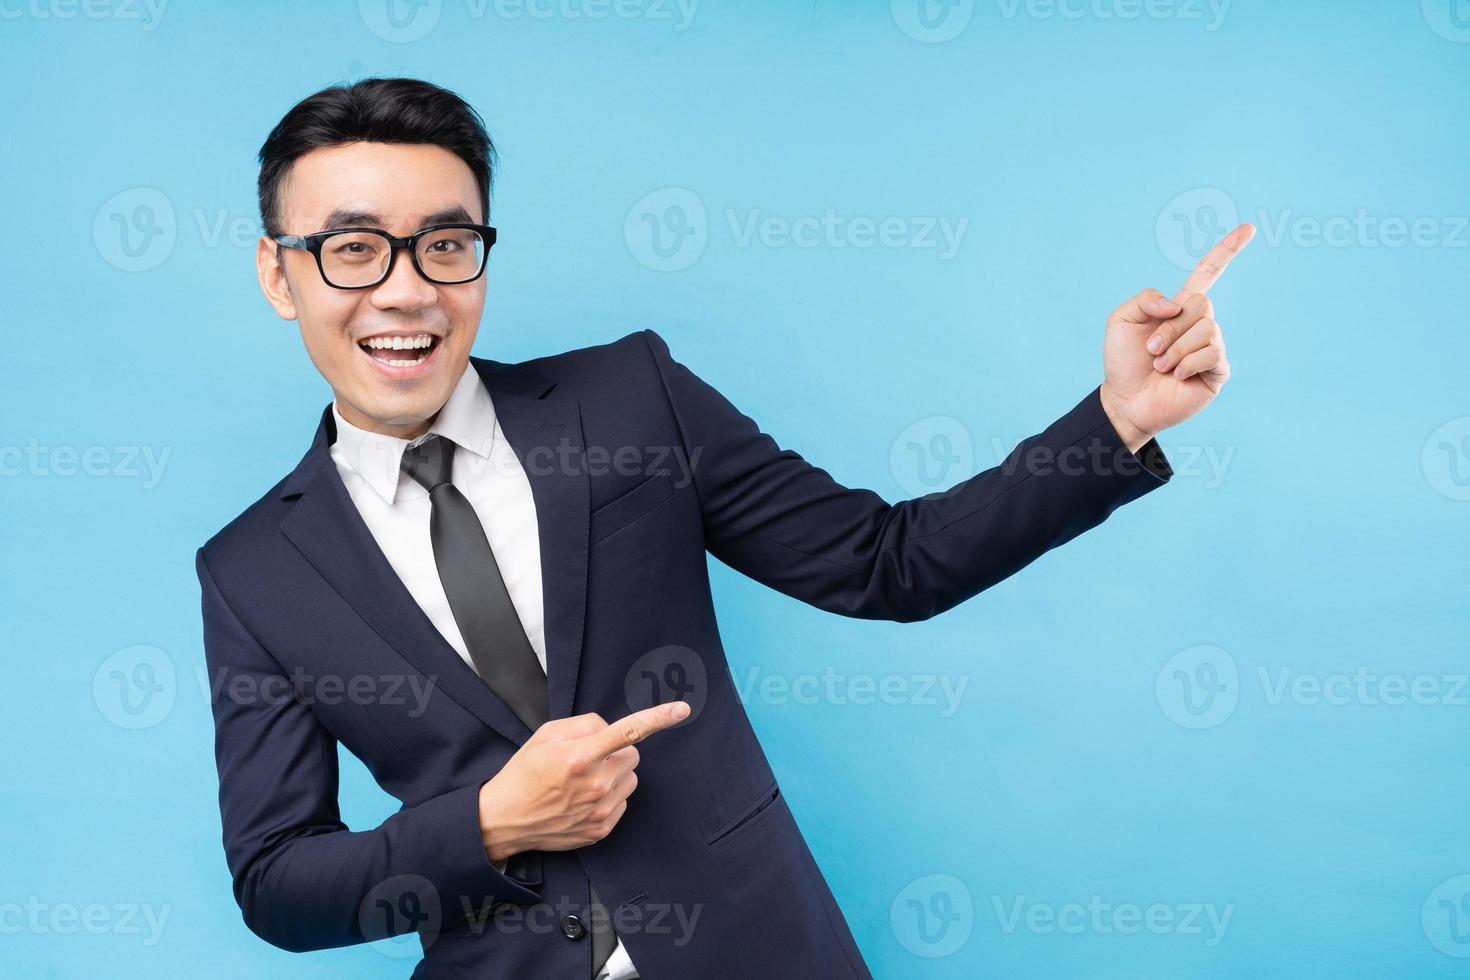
{"x":272,"y":275}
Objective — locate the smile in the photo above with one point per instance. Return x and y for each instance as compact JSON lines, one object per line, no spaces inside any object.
{"x":399,"y":353}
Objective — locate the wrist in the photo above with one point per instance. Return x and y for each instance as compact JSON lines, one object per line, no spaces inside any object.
{"x":1131,"y":435}
{"x":493,"y":836}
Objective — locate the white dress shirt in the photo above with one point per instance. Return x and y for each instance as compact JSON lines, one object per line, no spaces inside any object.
{"x":396,"y":511}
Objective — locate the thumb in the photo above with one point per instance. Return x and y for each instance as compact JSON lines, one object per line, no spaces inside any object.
{"x":1147,"y":306}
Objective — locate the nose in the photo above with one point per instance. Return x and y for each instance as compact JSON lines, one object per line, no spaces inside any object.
{"x":404,"y":289}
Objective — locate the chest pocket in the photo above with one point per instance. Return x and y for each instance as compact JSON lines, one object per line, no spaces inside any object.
{"x":628,"y":507}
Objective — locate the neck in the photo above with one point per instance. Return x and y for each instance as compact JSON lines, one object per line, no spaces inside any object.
{"x":399,"y":430}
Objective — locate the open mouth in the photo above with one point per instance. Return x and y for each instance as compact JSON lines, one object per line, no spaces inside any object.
{"x":400,"y":350}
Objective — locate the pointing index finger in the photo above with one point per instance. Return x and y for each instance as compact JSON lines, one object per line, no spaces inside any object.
{"x":634,"y":728}
{"x":1216,"y":259}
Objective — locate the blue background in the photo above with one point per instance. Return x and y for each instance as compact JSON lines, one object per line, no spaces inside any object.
{"x":1089,"y":153}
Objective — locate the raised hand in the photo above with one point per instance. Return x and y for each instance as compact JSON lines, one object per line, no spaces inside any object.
{"x":1164,"y":359}
{"x":568,"y":785}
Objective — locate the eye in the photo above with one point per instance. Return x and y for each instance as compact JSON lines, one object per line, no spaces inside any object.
{"x":352,"y":248}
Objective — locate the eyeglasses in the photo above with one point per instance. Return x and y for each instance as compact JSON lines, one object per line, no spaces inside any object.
{"x":360,"y":258}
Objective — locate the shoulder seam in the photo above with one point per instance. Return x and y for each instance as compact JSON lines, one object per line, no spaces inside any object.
{"x":645,"y":334}
{"x":230,"y":608}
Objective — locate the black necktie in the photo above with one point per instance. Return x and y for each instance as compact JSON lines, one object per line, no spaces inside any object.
{"x":487,"y":620}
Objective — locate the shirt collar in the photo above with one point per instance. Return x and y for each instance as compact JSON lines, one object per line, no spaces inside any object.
{"x":467,"y":419}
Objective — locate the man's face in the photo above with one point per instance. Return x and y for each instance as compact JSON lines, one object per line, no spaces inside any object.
{"x":399,"y":188}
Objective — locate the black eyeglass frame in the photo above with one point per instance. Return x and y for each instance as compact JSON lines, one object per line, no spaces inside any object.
{"x":313,"y":243}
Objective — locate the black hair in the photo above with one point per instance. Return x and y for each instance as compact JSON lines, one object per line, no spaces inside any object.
{"x":380,"y":110}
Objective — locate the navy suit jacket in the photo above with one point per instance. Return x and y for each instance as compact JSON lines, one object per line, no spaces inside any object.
{"x":312,"y":640}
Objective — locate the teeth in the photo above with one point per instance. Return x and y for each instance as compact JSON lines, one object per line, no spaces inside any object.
{"x":399,"y":343}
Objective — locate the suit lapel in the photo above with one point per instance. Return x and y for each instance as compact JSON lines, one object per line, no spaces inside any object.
{"x":545,"y":432}
{"x":546,"y":435}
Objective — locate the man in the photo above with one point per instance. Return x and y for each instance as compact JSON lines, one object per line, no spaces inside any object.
{"x":488,"y":582}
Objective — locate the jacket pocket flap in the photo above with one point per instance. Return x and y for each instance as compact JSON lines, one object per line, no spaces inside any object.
{"x":628,"y":507}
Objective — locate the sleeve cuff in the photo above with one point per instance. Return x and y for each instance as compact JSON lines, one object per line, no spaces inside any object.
{"x":465,"y":871}
{"x":1089,"y":420}
{"x":1151,"y":455}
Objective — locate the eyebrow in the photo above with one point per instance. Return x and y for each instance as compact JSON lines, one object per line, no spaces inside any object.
{"x":349,"y":218}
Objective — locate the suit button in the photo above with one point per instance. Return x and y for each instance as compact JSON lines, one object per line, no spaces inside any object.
{"x":572,"y":927}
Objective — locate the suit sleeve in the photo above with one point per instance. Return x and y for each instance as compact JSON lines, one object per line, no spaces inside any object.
{"x":302,"y":879}
{"x":771,"y":515}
